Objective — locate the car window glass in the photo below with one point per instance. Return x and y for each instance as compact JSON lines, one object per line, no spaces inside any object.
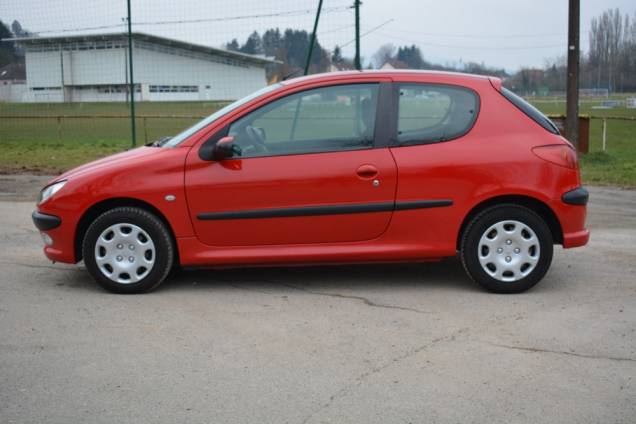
{"x":177,"y":139}
{"x":320,"y":120}
{"x":534,"y":113}
{"x":429,"y":113}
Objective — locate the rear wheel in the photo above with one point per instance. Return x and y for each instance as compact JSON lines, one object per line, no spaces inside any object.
{"x":507,"y":249}
{"x":128,"y":250}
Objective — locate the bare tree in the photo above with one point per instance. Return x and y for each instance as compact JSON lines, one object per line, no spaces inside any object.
{"x":384,"y":54}
{"x":607,"y":48}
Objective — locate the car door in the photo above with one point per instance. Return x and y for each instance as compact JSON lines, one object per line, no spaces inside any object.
{"x":314,"y":168}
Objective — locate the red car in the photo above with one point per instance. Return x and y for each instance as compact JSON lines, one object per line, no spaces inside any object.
{"x":335,"y":168}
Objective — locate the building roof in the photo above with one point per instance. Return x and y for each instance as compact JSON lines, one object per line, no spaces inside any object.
{"x":13,"y":72}
{"x":261,"y":60}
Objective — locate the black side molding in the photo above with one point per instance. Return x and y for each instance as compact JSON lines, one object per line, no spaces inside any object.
{"x":578,"y":196}
{"x":44,"y":222}
{"x":422,"y":204}
{"x":325,"y":210}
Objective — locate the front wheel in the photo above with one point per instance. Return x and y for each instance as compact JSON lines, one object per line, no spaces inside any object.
{"x":128,"y":250}
{"x":507,"y":249}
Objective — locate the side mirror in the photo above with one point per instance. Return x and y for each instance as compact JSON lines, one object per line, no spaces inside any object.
{"x":225,"y":148}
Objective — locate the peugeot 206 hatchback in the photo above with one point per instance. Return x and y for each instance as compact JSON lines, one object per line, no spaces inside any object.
{"x":336,"y":168}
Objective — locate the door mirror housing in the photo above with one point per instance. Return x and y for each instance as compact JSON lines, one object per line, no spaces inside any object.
{"x":224,"y":148}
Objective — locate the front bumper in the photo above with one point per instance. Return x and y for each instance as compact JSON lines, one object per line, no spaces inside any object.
{"x":45,"y":222}
{"x":59,"y":232}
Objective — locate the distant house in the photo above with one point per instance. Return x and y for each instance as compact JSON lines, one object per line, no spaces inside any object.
{"x":394,"y":64}
{"x":94,"y":68}
{"x":341,"y":66}
{"x":12,"y":82}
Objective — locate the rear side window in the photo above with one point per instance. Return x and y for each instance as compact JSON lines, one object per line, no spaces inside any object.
{"x":530,"y":110}
{"x":429,"y":113}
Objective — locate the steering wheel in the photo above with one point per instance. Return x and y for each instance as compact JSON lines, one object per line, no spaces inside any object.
{"x":256,"y":139}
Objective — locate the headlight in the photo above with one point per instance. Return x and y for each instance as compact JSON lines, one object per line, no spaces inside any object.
{"x":49,"y":191}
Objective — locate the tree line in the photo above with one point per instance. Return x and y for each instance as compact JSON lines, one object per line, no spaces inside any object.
{"x":609,"y":64}
{"x":10,"y":52}
{"x":290,"y":47}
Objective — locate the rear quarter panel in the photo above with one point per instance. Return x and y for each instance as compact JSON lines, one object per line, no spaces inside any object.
{"x":493,"y":159}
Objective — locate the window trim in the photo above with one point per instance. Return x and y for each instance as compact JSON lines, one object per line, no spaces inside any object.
{"x":396,"y":109}
{"x":380,"y":108}
{"x":530,"y":110}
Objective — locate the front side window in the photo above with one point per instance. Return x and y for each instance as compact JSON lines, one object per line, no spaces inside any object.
{"x":174,"y":141}
{"x":429,"y":113}
{"x":324,"y":119}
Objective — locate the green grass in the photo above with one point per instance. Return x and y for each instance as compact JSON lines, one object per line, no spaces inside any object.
{"x":40,"y":145}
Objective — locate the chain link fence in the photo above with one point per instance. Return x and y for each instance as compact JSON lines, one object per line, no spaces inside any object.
{"x":67,"y":81}
{"x":74,"y":72}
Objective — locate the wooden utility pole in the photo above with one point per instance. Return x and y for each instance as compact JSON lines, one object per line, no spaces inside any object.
{"x":572,"y":101}
{"x":356,"y":60}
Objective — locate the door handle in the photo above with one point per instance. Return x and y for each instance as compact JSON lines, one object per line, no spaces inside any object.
{"x":367,"y":172}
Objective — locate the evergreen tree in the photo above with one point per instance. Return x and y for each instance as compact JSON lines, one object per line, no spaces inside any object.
{"x":253,"y":45}
{"x":336,"y":56}
{"x":412,"y":56}
{"x":233,"y":45}
{"x":7,"y":51}
{"x":271,"y":42}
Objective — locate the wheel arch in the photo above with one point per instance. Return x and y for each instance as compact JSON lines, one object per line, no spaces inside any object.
{"x":104,"y":205}
{"x":532,"y":203}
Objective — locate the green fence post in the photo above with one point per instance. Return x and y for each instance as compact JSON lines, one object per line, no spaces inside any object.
{"x":145,"y":130}
{"x":312,"y":40}
{"x":357,"y":57}
{"x":131,"y":82}
{"x":59,"y":128}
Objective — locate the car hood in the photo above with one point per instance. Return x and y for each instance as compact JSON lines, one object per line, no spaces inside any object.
{"x":118,"y":159}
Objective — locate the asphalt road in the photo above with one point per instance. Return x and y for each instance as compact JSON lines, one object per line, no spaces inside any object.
{"x":363,"y":344}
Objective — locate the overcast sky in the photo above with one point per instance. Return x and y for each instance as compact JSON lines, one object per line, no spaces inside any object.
{"x":501,"y":33}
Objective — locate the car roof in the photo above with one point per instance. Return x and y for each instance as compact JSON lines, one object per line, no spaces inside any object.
{"x":348,"y":75}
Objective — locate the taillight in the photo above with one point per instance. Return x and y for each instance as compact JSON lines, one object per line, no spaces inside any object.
{"x":559,"y":154}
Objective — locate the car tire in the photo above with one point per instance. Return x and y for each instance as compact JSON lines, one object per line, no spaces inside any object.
{"x":507,"y":248}
{"x":128,"y":250}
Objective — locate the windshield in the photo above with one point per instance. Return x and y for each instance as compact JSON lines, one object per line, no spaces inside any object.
{"x":216,"y":115}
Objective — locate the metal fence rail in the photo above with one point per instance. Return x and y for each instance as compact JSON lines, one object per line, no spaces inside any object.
{"x":157,"y":125}
{"x":604,"y":120}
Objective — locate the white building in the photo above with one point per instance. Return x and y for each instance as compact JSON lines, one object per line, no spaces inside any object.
{"x":94,"y":68}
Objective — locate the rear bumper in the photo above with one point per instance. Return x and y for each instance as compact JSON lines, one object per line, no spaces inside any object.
{"x":576,"y":239}
{"x":578,"y":196}
{"x":572,"y":211}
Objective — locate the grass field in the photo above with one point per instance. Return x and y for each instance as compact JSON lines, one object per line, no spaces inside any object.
{"x":42,"y":144}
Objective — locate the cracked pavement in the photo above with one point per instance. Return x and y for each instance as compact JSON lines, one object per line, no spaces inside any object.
{"x":416,"y":343}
